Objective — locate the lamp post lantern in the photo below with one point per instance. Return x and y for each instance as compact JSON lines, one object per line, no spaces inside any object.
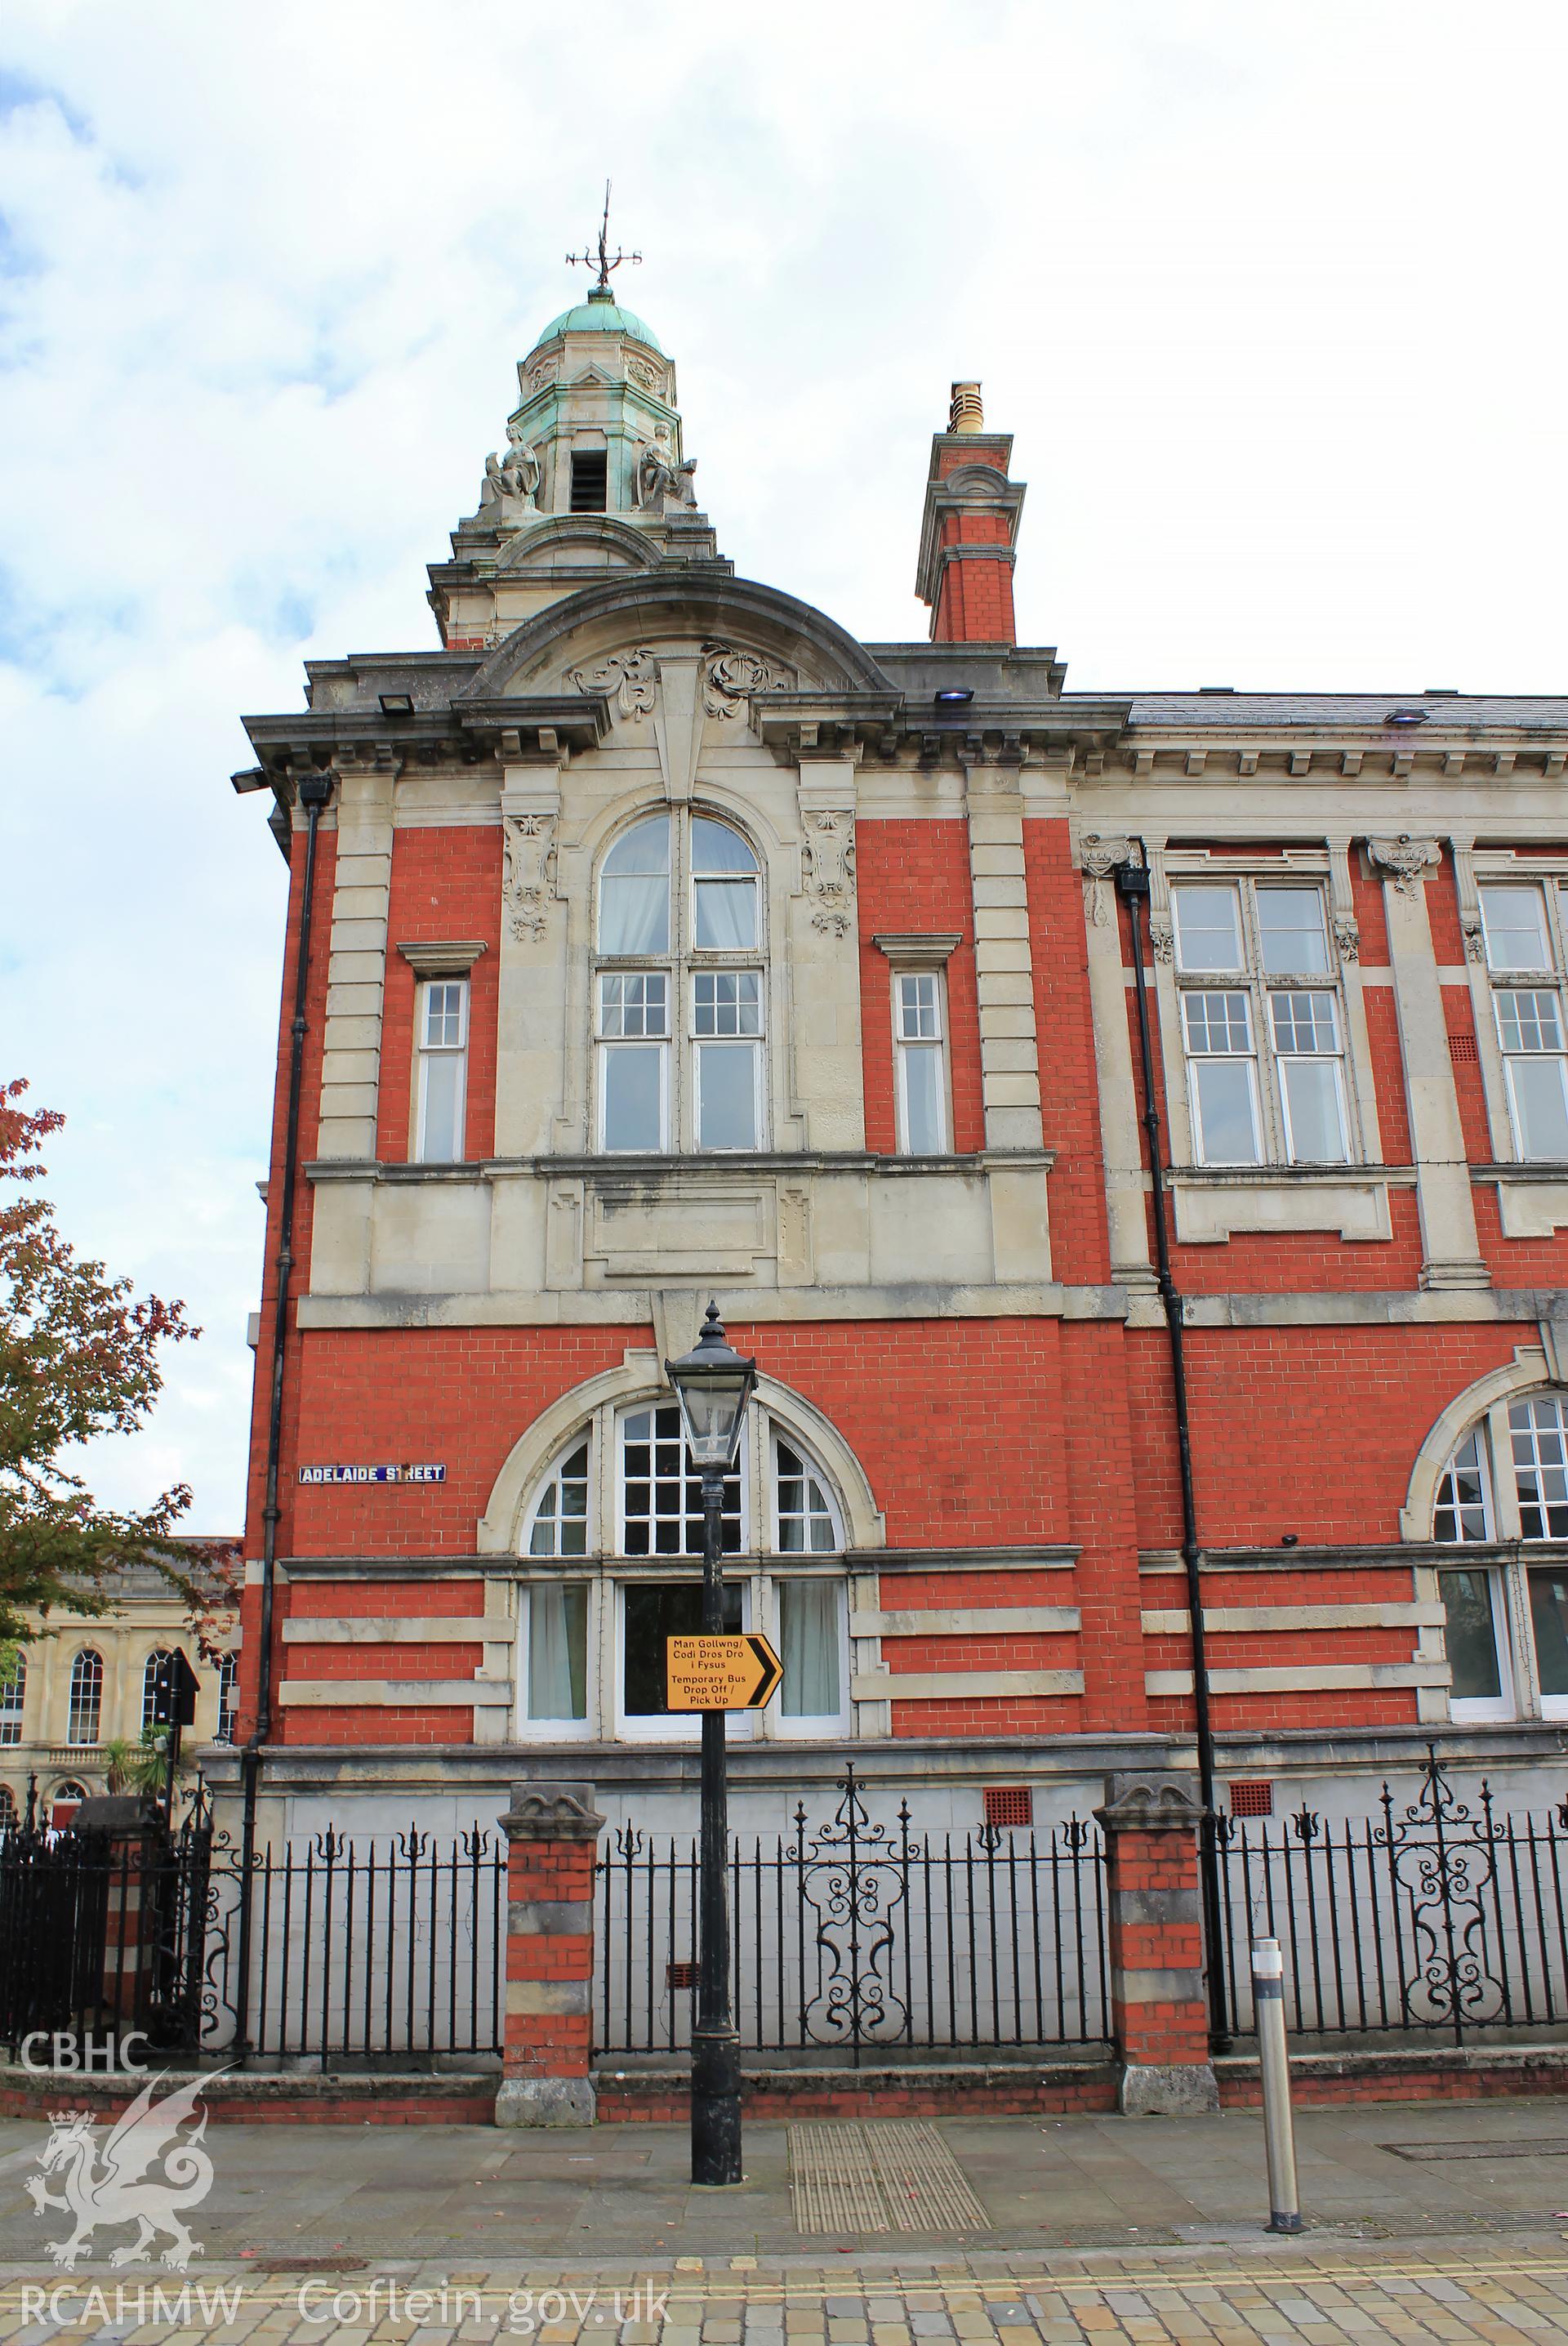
{"x":713,"y":1385}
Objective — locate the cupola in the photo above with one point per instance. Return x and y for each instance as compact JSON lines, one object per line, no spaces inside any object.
{"x":594,"y":476}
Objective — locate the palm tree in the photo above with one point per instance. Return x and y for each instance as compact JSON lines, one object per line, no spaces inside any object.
{"x":137,"y":1764}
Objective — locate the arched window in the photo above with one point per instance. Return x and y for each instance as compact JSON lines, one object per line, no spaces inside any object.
{"x":151,"y":1679}
{"x":12,"y":1700}
{"x":1506,"y":1485}
{"x":7,"y":1810}
{"x":623,"y":1504}
{"x":560,"y":1525}
{"x":679,"y":990}
{"x":86,"y":1697}
{"x":68,"y":1798}
{"x":228,"y":1697}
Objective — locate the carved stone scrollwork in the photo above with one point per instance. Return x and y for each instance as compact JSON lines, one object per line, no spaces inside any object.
{"x":644,"y":372}
{"x":552,"y":1812}
{"x":1150,"y":1804}
{"x":632,"y":676}
{"x":1404,"y":860}
{"x":1474,"y":935}
{"x":1099,"y":854}
{"x":1348,"y":938}
{"x":730,"y":677}
{"x":829,"y":868}
{"x":530,"y":885}
{"x":1162,"y":937}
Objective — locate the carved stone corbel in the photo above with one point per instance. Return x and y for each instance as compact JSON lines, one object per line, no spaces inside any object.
{"x":1403,"y":860}
{"x":827,"y":865}
{"x":530,"y":882}
{"x":1472,"y":928}
{"x":1099,"y":854}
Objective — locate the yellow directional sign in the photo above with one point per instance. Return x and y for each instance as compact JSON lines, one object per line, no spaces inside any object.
{"x":720,"y":1673}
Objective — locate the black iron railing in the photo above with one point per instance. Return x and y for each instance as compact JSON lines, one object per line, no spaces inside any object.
{"x":1433,"y":1915}
{"x":361,"y":1949}
{"x":854,"y":1940}
{"x":102,"y":1937}
{"x":862,"y":1937}
{"x":382,"y":1949}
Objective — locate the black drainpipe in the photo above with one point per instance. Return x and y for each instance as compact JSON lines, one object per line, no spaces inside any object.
{"x":314,"y":792}
{"x":1132,"y":884}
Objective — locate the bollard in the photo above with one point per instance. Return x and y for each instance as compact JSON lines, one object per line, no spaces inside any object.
{"x":1278,"y":2137}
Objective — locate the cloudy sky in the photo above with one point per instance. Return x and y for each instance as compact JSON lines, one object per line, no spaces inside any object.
{"x":1269,"y":294}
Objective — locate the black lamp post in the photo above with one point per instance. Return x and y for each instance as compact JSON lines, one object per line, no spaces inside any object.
{"x":713,"y":1385}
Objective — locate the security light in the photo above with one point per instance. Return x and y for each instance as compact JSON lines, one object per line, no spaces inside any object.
{"x":397,"y":704}
{"x":951,"y":696}
{"x":1406,"y":717}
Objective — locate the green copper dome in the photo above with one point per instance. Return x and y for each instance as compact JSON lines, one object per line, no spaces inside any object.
{"x":600,"y":317}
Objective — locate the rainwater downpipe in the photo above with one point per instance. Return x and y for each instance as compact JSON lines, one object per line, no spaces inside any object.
{"x":314,"y":792}
{"x":1133,"y":885}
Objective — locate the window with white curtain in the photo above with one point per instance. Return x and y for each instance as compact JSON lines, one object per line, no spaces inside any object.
{"x":1262,"y":1021}
{"x":556,"y":1637}
{"x":1521,"y":925}
{"x":612,"y":1548}
{"x":442,"y":1082}
{"x":680,"y":1011}
{"x":1506,"y":1487}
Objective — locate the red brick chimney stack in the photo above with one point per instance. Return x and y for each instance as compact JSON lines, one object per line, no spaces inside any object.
{"x":969,"y":529}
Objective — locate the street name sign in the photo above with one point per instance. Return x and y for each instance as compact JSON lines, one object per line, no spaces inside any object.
{"x":720,"y":1673}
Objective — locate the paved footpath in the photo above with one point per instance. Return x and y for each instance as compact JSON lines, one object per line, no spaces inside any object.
{"x":1308,"y":2296}
{"x":1426,"y":2223}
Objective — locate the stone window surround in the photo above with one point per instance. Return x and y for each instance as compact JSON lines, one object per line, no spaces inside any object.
{"x":582,"y":848}
{"x":598,"y":1402}
{"x":680,"y":960}
{"x":1531,"y":1195}
{"x":913,"y":955}
{"x":1485,"y":1403}
{"x":600,"y":1407}
{"x":1213,"y":1201}
{"x":1507,"y":1559}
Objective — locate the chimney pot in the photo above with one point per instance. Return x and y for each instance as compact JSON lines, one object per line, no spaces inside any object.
{"x":966,"y":414}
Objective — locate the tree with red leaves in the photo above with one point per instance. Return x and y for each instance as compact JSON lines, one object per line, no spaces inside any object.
{"x":78,"y":1357}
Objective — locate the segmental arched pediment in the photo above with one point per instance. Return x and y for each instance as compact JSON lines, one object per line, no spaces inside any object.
{"x":544,"y":550}
{"x":776,"y":642}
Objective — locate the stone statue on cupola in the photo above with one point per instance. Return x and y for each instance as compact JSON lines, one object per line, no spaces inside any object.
{"x":517,"y":477}
{"x":662,"y":477}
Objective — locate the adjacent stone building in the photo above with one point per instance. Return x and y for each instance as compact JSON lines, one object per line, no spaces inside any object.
{"x":670,"y":940}
{"x":80,"y":1683}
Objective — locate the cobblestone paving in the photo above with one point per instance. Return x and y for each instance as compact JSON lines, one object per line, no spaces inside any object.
{"x":1275,"y":2293}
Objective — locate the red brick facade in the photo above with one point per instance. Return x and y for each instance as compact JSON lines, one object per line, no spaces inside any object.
{"x":1013,"y":1423}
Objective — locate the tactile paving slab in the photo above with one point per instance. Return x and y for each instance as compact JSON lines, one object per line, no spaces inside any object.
{"x":888,"y":2176}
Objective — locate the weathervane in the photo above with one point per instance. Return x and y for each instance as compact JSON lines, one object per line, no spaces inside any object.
{"x":605,"y":262}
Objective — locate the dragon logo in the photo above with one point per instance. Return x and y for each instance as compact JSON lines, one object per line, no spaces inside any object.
{"x":114,"y":2178}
